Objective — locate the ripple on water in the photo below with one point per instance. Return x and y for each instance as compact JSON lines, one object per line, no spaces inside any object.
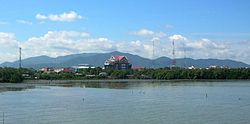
{"x":142,"y":104}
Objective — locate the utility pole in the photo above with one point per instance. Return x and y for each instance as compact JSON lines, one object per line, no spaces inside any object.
{"x":185,"y":57}
{"x":20,"y":57}
{"x":153,"y":54}
{"x":173,"y":52}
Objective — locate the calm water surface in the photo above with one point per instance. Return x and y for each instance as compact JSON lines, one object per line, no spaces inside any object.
{"x":128,"y":103}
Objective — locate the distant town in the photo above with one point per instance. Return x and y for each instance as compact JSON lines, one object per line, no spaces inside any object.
{"x":119,"y":67}
{"x":114,"y":63}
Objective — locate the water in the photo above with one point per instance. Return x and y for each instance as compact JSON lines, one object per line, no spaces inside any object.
{"x":128,"y":103}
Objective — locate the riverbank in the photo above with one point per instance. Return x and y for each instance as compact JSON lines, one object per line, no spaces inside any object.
{"x":89,"y":81}
{"x":32,"y":83}
{"x":122,"y":81}
{"x":115,"y":83}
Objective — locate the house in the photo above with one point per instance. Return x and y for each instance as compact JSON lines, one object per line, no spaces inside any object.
{"x":191,"y":67}
{"x":47,"y":70}
{"x":56,"y":70}
{"x":68,"y":70}
{"x":84,"y":66}
{"x":118,"y":63}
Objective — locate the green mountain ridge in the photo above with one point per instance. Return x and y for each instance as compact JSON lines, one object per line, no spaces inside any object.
{"x":97,"y":59}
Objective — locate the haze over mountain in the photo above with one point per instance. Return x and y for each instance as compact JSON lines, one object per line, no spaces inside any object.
{"x":97,"y":59}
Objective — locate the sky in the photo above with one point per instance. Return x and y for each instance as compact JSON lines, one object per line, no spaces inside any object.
{"x":201,"y":29}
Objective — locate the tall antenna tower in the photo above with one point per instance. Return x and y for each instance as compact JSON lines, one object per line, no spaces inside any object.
{"x":153,"y":54}
{"x":20,"y":57}
{"x":185,"y":57}
{"x":173,"y":52}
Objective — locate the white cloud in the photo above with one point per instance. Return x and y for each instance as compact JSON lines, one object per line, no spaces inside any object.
{"x":143,"y":32}
{"x":205,"y":48}
{"x":177,"y":38}
{"x":59,"y":43}
{"x":64,"y":17}
{"x":147,"y":33}
{"x":41,"y":17}
{"x":8,"y":43}
{"x":65,"y":34}
{"x":136,"y":47}
{"x":24,"y":22}
{"x":205,"y":44}
{"x":7,"y":39}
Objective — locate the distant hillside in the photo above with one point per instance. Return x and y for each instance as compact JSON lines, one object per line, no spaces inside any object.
{"x":97,"y":59}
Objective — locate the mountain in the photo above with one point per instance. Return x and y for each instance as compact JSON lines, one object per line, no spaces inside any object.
{"x":97,"y":59}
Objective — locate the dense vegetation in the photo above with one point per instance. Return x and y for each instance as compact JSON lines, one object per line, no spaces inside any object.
{"x":18,"y":75}
{"x":160,"y":74}
{"x":10,"y":75}
{"x":14,"y":75}
{"x":213,"y":73}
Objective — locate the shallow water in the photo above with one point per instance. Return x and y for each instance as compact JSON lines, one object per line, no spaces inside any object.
{"x":129,"y":103}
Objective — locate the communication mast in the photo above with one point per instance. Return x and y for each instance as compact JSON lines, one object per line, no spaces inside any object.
{"x":20,"y":57}
{"x":185,"y":57}
{"x":153,"y":54}
{"x":173,"y":52}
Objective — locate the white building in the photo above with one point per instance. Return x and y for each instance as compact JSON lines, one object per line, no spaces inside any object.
{"x":83,"y":66}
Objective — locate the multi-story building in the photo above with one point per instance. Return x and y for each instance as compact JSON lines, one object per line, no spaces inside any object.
{"x":117,"y":62}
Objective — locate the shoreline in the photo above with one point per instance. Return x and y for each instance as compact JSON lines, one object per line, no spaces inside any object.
{"x":123,"y":81}
{"x":65,"y":82}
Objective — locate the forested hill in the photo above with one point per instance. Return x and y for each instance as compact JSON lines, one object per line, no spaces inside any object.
{"x":97,"y":59}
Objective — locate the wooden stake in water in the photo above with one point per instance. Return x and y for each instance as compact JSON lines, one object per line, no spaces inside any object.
{"x":3,"y":117}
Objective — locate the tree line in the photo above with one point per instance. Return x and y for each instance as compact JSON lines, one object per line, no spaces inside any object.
{"x":10,"y":75}
{"x":18,"y":75}
{"x":15,"y":75}
{"x":159,"y":74}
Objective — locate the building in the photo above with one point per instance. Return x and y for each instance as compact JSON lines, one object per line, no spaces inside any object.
{"x":68,"y":70}
{"x":56,"y":70}
{"x":83,"y":66}
{"x":191,"y":67}
{"x":117,"y":62}
{"x":47,"y":70}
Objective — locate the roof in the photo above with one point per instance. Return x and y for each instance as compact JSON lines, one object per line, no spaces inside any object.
{"x":118,"y":58}
{"x":115,"y":59}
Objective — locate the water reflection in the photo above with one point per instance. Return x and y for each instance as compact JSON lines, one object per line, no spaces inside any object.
{"x":22,"y":87}
{"x":121,"y":85}
{"x":136,"y":103}
{"x":105,"y":85}
{"x":15,"y":87}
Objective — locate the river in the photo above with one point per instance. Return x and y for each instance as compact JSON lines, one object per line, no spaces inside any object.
{"x":217,"y":102}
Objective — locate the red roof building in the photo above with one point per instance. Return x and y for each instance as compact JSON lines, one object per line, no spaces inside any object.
{"x":117,"y":62}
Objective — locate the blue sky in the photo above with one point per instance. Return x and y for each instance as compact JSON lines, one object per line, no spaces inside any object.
{"x":221,"y":26}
